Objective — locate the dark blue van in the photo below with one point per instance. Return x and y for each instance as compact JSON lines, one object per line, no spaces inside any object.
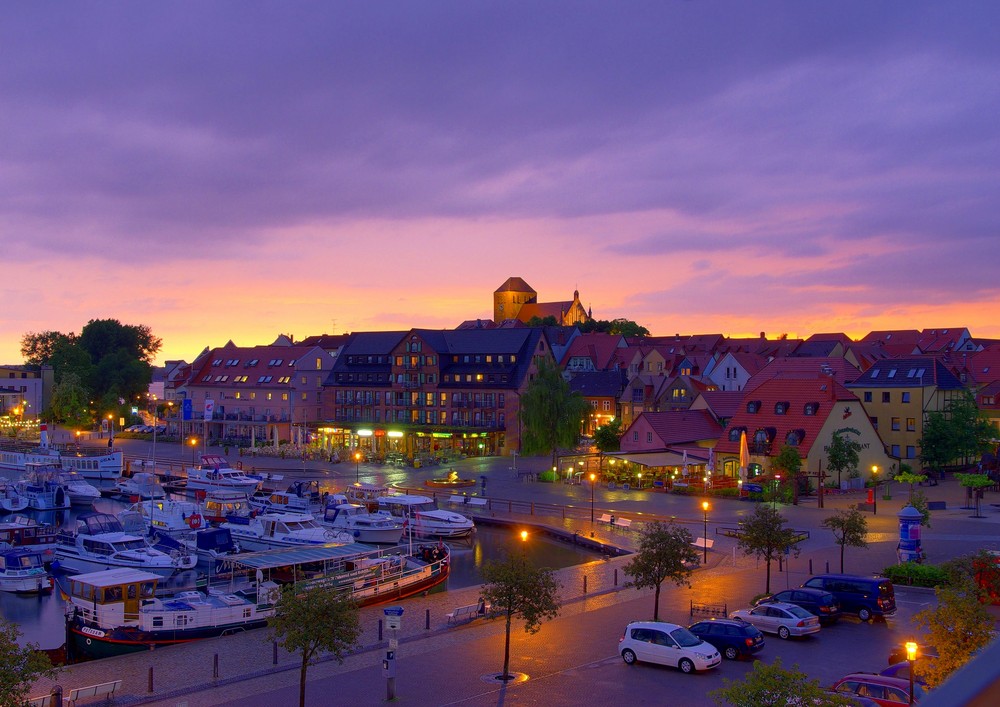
{"x":864,"y":596}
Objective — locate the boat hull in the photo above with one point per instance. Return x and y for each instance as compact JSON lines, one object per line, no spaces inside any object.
{"x":40,"y":584}
{"x":93,"y":644}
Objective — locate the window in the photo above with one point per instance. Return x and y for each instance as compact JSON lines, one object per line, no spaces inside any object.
{"x":895,"y":424}
{"x":885,"y":397}
{"x":780,"y":408}
{"x":911,"y":424}
{"x":607,"y":405}
{"x":906,"y":396}
{"x":894,"y":451}
{"x":810,"y":409}
{"x":911,"y":452}
{"x":794,"y":438}
{"x":649,"y":438}
{"x":874,"y":421}
{"x":868,"y":396}
{"x":892,"y":373}
{"x":635,"y":435}
{"x":753,"y":406}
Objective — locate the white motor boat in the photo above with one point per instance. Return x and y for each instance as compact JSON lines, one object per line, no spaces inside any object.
{"x":300,"y":497}
{"x":424,"y":519}
{"x":142,"y":485}
{"x":42,"y":488}
{"x":22,"y":571}
{"x":214,"y":473}
{"x":220,"y":506}
{"x":272,"y":531}
{"x":165,"y":516}
{"x":80,"y":491}
{"x":100,"y":542}
{"x":10,"y":500}
{"x":379,"y":528}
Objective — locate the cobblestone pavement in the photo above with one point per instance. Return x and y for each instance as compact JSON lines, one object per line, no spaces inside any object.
{"x":183,"y":675}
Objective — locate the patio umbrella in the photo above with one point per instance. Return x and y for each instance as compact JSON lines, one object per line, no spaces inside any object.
{"x":710,"y":467}
{"x":744,"y":456}
{"x":684,"y":463}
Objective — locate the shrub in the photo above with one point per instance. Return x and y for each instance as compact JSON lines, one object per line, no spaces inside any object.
{"x":917,"y":575}
{"x":547,"y":476}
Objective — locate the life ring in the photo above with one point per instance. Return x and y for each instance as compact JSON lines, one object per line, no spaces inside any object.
{"x":194,"y":521}
{"x":88,"y":641}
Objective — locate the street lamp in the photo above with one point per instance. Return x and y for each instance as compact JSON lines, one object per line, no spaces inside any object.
{"x":704,"y":540}
{"x":911,"y":658}
{"x":357,"y":467}
{"x":524,"y":545}
{"x":875,"y":492}
{"x":777,"y":482}
{"x":593,"y":479}
{"x":193,"y":441}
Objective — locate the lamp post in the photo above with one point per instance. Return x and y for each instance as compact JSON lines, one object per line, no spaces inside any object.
{"x":357,"y":467}
{"x":911,"y":658}
{"x":704,"y":539}
{"x":593,"y":479}
{"x":875,"y":492}
{"x":774,"y":499}
{"x":524,"y":546}
{"x":193,"y":441}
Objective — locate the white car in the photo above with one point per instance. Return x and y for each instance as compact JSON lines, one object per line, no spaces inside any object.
{"x":784,"y":619}
{"x":666,"y":644}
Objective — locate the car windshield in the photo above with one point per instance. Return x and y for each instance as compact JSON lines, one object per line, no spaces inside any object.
{"x":797,"y":611}
{"x":684,"y":638}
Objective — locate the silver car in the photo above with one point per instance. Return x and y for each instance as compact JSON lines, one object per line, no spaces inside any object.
{"x":786,"y":620}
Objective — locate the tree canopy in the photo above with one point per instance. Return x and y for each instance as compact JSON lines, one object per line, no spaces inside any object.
{"x":764,"y":535}
{"x":515,"y":589}
{"x":789,"y":463}
{"x":850,"y":528}
{"x":770,"y":685}
{"x":20,"y":666}
{"x":665,"y":552}
{"x":842,"y":455}
{"x":621,"y":327}
{"x":957,"y":627}
{"x":608,"y":438}
{"x":552,"y":414}
{"x":959,"y":433}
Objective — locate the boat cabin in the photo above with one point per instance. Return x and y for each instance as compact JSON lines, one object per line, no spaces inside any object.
{"x":118,"y":591}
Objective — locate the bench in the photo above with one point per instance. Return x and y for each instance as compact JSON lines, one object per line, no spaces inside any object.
{"x":457,"y":499}
{"x":729,"y":532}
{"x":104,"y":689}
{"x":43,"y":701}
{"x":937,"y":505}
{"x":605,"y":518}
{"x":471,"y":501}
{"x":705,"y":543}
{"x":709,"y":610}
{"x":466,"y":613}
{"x":623,"y":523}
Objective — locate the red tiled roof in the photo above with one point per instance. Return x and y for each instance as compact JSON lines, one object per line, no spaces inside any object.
{"x":984,"y":366}
{"x":544,"y":309}
{"x":599,"y":348}
{"x":683,"y":426}
{"x":903,"y":337}
{"x":515,"y":284}
{"x":723,"y":403}
{"x":841,"y":370}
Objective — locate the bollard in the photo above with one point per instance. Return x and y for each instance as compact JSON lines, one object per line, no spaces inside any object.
{"x":810,"y":565}
{"x":380,"y":630}
{"x":828,"y":567}
{"x":616,"y":576}
{"x":584,"y":584}
{"x":564,"y":512}
{"x":215,"y":667}
{"x":427,"y":620}
{"x":510,"y":506}
{"x":56,"y":696}
{"x":779,"y":563}
{"x":275,"y":660}
{"x":150,"y":678}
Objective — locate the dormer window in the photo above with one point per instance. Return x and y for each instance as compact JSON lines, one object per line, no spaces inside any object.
{"x":810,"y":409}
{"x":753,"y":407}
{"x":892,"y":373}
{"x":781,"y":408}
{"x":734,"y":434}
{"x":794,"y":437}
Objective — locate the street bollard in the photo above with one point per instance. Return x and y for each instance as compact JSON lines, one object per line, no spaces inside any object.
{"x":380,"y":630}
{"x":564,"y":512}
{"x":810,"y":565}
{"x":532,"y":508}
{"x":828,"y":567}
{"x":150,"y":678}
{"x":56,"y":696}
{"x":215,"y":667}
{"x":427,"y":620}
{"x":616,"y":576}
{"x":584,"y":584}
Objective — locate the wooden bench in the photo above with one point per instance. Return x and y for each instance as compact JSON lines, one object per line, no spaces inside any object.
{"x":623,"y":523}
{"x":706,"y":543}
{"x":471,"y":501}
{"x":709,"y":610}
{"x":464,"y":614}
{"x":43,"y":701}
{"x":605,"y":518}
{"x":729,"y":532}
{"x":104,"y":689}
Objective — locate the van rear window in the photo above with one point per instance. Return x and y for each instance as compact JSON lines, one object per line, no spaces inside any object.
{"x":885,"y":589}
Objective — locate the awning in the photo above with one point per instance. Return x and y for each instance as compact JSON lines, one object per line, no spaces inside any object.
{"x":660,"y":459}
{"x":269,"y":559}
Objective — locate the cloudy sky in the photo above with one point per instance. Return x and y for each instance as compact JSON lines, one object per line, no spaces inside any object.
{"x":235,"y":170}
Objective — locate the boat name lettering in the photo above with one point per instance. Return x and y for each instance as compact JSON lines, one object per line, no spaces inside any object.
{"x":92,"y":632}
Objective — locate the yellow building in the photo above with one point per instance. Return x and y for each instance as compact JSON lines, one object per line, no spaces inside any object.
{"x":515,"y":299}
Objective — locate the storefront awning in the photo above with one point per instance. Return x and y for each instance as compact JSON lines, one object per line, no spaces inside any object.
{"x":660,"y":459}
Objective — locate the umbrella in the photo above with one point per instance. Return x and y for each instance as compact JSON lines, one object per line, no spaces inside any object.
{"x":710,"y":467}
{"x":684,"y":463}
{"x":744,"y":456}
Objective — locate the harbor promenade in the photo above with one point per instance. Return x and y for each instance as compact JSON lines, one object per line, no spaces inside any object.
{"x":221,"y":670}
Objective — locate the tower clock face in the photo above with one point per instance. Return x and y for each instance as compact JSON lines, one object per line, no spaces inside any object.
{"x":500,"y":307}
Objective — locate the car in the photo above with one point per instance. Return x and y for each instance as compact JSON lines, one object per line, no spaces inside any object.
{"x":786,"y":620}
{"x":882,"y":689}
{"x":864,"y":596}
{"x":816,"y":601}
{"x":902,"y":670}
{"x":666,"y":644}
{"x":734,"y":639}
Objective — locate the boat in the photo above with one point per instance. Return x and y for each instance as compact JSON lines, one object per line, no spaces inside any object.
{"x":424,"y":519}
{"x":278,"y":530}
{"x":299,"y":497}
{"x":179,"y":527}
{"x":100,"y":542}
{"x":220,"y":505}
{"x":22,"y":531}
{"x":42,"y":488}
{"x":214,"y":473}
{"x":22,"y":571}
{"x":379,"y":528}
{"x":79,"y":490}
{"x":141,"y":485}
{"x":366,"y":495}
{"x":371,"y":575}
{"x":10,"y":500}
{"x":92,"y":463}
{"x":211,"y":545}
{"x":116,"y":612}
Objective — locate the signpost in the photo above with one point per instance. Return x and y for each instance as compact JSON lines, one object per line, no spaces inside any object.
{"x":393,"y":621}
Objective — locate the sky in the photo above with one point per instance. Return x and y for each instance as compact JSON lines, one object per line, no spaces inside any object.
{"x":237,"y":170}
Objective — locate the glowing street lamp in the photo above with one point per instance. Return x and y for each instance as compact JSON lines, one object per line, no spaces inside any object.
{"x":193,"y":441}
{"x":704,"y":540}
{"x":357,"y":467}
{"x":911,"y":658}
{"x":875,"y":493}
{"x":593,"y":479}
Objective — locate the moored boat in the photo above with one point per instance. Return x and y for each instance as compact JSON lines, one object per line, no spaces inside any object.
{"x":299,"y":497}
{"x":22,"y":571}
{"x":10,"y":500}
{"x":80,"y":492}
{"x":91,"y":463}
{"x":215,"y":473}
{"x":115,"y":612}
{"x":424,"y":519}
{"x":142,"y":485}
{"x":43,"y":489}
{"x":22,"y":531}
{"x":366,"y":495}
{"x":221,"y":505}
{"x":100,"y":542}
{"x":280,"y":530}
{"x":379,"y":528}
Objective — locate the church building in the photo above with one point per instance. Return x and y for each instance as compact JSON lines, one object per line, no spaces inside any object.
{"x":515,"y":299}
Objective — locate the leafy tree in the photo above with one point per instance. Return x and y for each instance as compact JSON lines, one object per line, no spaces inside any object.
{"x":665,"y":552}
{"x":770,"y":685}
{"x":850,"y":528}
{"x":976,"y":483}
{"x":19,"y":667}
{"x":69,"y":404}
{"x":789,"y":463}
{"x":619,"y":327}
{"x":537,"y":321}
{"x":764,"y":535}
{"x":514,"y":588}
{"x":842,"y":454}
{"x":321,"y":618}
{"x":958,"y":433}
{"x":957,"y":627}
{"x":608,"y":438}
{"x":552,"y":414}
{"x":39,"y":348}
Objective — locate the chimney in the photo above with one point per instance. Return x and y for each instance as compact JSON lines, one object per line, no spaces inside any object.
{"x":762,"y":335}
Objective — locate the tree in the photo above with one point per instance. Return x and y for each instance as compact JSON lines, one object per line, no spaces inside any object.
{"x":976,"y":484}
{"x":770,"y":685}
{"x":665,"y":552}
{"x":39,"y":348}
{"x":842,"y":455}
{"x":619,"y":327}
{"x":789,"y":462}
{"x":552,"y":414}
{"x":764,"y":534}
{"x":514,"y":588}
{"x":957,"y":627}
{"x":19,"y":667}
{"x":69,"y":403}
{"x":321,"y":618}
{"x":957,"y":434}
{"x":537,"y":321}
{"x":850,"y":528}
{"x":608,"y":438}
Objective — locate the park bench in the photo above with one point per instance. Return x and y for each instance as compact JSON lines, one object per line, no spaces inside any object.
{"x":623,"y":523}
{"x":104,"y":689}
{"x":605,"y":518}
{"x":470,"y":612}
{"x":705,"y":543}
{"x":729,"y":532}
{"x":937,"y":505}
{"x":472,"y":501}
{"x":709,"y":610}
{"x":43,"y":701}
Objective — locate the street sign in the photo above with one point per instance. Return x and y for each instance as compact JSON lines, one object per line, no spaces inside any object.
{"x":393,"y":643}
{"x":186,"y":409}
{"x":393,"y":611}
{"x":393,"y":622}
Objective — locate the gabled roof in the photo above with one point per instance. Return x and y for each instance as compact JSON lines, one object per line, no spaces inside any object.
{"x":984,"y":366}
{"x":723,"y":403}
{"x":841,"y":370}
{"x":818,"y":348}
{"x":897,"y":337}
{"x":798,"y":391}
{"x":477,"y":324}
{"x":947,"y":339}
{"x":371,"y":343}
{"x":682,"y":426}
{"x":908,"y":372}
{"x":656,"y":383}
{"x":598,"y":384}
{"x":330,"y":342}
{"x":839,"y":337}
{"x":599,"y":348}
{"x":515,"y":284}
{"x":544,"y":309}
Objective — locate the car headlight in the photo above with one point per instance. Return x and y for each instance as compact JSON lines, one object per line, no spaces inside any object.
{"x":705,"y":656}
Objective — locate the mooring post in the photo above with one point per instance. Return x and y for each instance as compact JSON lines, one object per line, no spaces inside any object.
{"x":215,"y":667}
{"x":275,"y":657}
{"x":584,"y":584}
{"x":616,"y":576}
{"x":380,"y":630}
{"x":427,"y":620}
{"x":150,"y":678}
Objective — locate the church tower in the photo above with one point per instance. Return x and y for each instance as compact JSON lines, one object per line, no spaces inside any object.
{"x":510,"y":297}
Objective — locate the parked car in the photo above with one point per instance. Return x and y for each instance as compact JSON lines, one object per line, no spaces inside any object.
{"x":883,"y":690}
{"x":902,"y":670}
{"x":666,"y":644}
{"x":733,"y":639}
{"x":864,"y":596}
{"x":786,"y":620}
{"x":816,"y":601}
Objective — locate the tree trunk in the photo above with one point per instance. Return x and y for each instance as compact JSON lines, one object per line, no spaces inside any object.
{"x":842,"y":558}
{"x":302,"y":679}
{"x":767,"y":582}
{"x":506,"y":651}
{"x":656,"y":604}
